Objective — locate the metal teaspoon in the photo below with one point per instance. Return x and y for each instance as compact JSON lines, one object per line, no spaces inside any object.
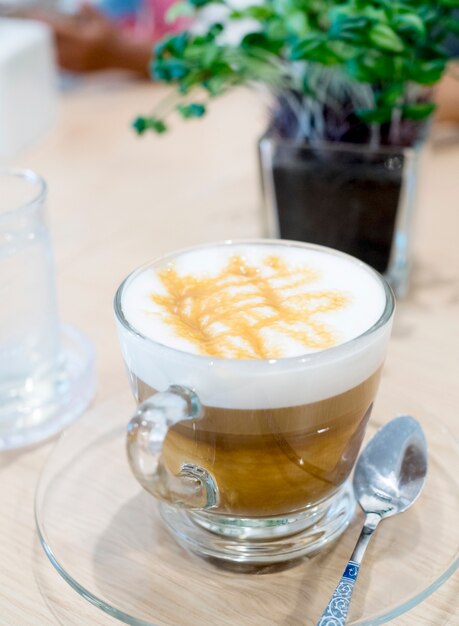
{"x":388,"y":478}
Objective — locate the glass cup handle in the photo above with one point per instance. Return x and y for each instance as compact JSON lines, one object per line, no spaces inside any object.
{"x":193,"y":487}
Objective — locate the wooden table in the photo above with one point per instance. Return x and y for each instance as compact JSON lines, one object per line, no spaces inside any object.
{"x":116,"y":201}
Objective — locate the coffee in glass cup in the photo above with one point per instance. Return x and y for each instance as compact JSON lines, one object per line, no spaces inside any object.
{"x":255,"y":365}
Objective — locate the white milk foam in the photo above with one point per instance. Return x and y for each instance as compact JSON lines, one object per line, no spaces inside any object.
{"x":260,"y":383}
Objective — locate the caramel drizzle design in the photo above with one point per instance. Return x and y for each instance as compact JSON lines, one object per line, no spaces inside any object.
{"x":227,"y":315}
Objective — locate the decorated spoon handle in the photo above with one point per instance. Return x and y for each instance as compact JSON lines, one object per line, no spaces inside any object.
{"x":337,"y":609}
{"x":336,"y":612}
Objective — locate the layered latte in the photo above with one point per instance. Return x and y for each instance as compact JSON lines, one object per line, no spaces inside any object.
{"x":278,"y":341}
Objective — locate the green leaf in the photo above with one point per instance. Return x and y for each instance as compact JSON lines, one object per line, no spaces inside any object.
{"x":357,"y":69}
{"x":139,"y":125}
{"x":158,"y":126}
{"x":349,"y":29}
{"x":391,"y":95}
{"x":172,"y":44}
{"x":418,"y":111}
{"x":180,"y":42}
{"x":453,"y":4}
{"x":190,"y":81}
{"x":169,"y":70}
{"x":410,"y":23}
{"x":426,"y":72}
{"x":261,"y":41}
{"x":377,"y":15}
{"x":451,"y":24}
{"x":191,"y":110}
{"x":315,"y":48}
{"x":325,"y":55}
{"x":142,"y":124}
{"x":276,"y":29}
{"x":157,"y":70}
{"x":428,"y":14}
{"x":372,"y":67}
{"x":375,"y":116}
{"x":297,"y":23}
{"x":215,"y":85}
{"x":179,"y":9}
{"x":257,"y":12}
{"x":381,"y":65}
{"x":210,"y":54}
{"x":436,"y":52}
{"x":162,"y":46}
{"x":202,"y":3}
{"x":304,"y":47}
{"x":340,"y":13}
{"x":383,"y":37}
{"x":344,"y":50}
{"x":214,"y":31}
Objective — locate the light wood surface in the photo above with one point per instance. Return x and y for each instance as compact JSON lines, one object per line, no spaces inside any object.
{"x":116,"y":201}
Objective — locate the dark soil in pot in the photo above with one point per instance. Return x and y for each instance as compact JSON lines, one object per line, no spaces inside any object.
{"x":347,"y":201}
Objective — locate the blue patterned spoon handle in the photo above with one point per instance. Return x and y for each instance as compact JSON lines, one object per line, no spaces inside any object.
{"x":336,"y":612}
{"x":337,"y":609}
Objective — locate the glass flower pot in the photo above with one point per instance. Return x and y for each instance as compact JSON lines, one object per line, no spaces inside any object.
{"x":346,"y":196}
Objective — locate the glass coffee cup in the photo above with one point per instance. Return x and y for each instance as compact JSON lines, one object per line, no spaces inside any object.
{"x":255,"y":365}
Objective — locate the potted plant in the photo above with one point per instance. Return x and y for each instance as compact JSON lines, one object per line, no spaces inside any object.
{"x":351,"y":85}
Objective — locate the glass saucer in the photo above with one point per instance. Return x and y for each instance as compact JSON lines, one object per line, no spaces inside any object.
{"x":103,"y":534}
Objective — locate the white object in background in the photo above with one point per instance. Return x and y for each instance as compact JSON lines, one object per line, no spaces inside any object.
{"x":28,"y":84}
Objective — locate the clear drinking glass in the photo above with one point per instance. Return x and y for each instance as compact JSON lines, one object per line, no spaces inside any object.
{"x":46,"y":374}
{"x":250,"y":457}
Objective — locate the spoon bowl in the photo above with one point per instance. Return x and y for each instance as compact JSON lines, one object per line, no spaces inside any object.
{"x":388,"y":479}
{"x":391,"y":471}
